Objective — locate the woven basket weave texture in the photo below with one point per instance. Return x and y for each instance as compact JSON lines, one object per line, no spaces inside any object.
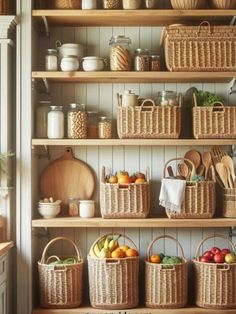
{"x":65,"y":4}
{"x":222,"y":4}
{"x":188,"y":4}
{"x":229,"y":203}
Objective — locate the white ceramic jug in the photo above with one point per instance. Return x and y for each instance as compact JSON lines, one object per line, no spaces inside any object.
{"x":128,"y":99}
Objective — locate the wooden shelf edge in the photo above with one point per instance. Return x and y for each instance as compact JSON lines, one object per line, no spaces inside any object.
{"x":99,"y":222}
{"x":5,"y":247}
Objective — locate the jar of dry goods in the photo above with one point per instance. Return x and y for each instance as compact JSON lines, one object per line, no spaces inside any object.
{"x":73,"y":207}
{"x":89,"y":4}
{"x":111,"y":4}
{"x":155,"y":63}
{"x":105,"y":128}
{"x":76,"y":121}
{"x":42,"y":118}
{"x":150,"y":4}
{"x":92,"y":128}
{"x":141,"y":60}
{"x":131,"y":4}
{"x":55,"y":127}
{"x":167,"y":98}
{"x":120,"y":54}
{"x":51,"y":60}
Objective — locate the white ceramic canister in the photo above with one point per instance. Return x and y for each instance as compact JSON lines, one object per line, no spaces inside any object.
{"x":70,"y":49}
{"x":93,"y":63}
{"x":89,"y":4}
{"x":86,"y":208}
{"x":55,"y":122}
{"x":69,"y":63}
{"x":129,"y":99}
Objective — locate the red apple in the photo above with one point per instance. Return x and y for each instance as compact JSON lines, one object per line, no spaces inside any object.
{"x":219,"y":258}
{"x":140,"y":175}
{"x":209,"y":254}
{"x":204,"y":259}
{"x":225,"y":251}
{"x":215,"y":250}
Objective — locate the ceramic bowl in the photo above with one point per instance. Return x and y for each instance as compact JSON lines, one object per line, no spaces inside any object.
{"x":49,"y":210}
{"x":90,"y":64}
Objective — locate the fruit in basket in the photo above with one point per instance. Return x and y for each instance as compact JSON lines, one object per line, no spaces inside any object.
{"x":219,"y":258}
{"x":112,"y":179}
{"x":155,"y":258}
{"x":230,"y":258}
{"x":205,"y":259}
{"x":171,"y":260}
{"x":131,"y":252}
{"x":123,"y":178}
{"x":209,"y":255}
{"x":140,"y":175}
{"x":132,"y":178}
{"x":124,"y":248}
{"x":225,"y":251}
{"x":140,"y":180}
{"x":215,"y":250}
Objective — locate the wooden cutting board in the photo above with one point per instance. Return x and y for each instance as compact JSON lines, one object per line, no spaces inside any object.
{"x":67,"y":177}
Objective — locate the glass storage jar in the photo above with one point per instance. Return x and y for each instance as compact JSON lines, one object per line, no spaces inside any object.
{"x":167,"y":98}
{"x":89,"y":4}
{"x":111,"y":4}
{"x":131,"y":4}
{"x":155,"y":63}
{"x":73,"y":206}
{"x":92,"y":127}
{"x":105,"y":128}
{"x":51,"y":60}
{"x":141,"y":60}
{"x":120,"y":54}
{"x":42,"y":110}
{"x":76,"y":121}
{"x":55,"y":122}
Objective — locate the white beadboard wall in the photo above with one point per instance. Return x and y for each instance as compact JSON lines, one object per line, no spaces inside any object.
{"x":102,"y":98}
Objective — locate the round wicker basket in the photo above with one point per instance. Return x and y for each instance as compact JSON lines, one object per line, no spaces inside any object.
{"x":222,"y":4}
{"x":188,"y":4}
{"x":65,"y":4}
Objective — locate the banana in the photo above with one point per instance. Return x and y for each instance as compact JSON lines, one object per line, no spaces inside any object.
{"x":104,"y":253}
{"x":101,"y":243}
{"x":106,"y":243}
{"x":96,"y":250}
{"x":112,"y":245}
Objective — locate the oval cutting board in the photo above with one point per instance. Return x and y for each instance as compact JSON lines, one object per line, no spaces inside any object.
{"x":67,"y":177}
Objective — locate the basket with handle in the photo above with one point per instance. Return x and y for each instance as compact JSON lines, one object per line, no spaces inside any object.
{"x":149,"y":120}
{"x":113,"y":283}
{"x":216,"y":121}
{"x":131,"y":200}
{"x":166,"y":286}
{"x":60,"y":284}
{"x":199,"y":48}
{"x":214,"y":283}
{"x":199,"y":201}
{"x":65,"y":4}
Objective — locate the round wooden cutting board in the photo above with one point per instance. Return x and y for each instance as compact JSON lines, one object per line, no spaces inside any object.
{"x":67,"y":177}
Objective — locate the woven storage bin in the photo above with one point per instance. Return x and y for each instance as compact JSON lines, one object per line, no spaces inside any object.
{"x":229,"y":203}
{"x":199,"y":48}
{"x":130,"y":200}
{"x":65,"y":4}
{"x":60,"y":285}
{"x":166,"y":286}
{"x":214,"y":283}
{"x":113,"y":283}
{"x":199,"y":199}
{"x":6,"y":7}
{"x":217,"y":121}
{"x":149,"y":121}
{"x":188,"y":4}
{"x":222,"y":4}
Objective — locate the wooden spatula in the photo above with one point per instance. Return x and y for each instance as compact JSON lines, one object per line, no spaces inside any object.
{"x":223,"y":174}
{"x":228,"y":161}
{"x":206,"y":160}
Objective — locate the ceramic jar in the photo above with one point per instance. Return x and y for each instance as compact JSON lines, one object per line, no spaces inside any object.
{"x":93,"y":64}
{"x":69,"y":63}
{"x":86,"y":208}
{"x":55,"y":127}
{"x":89,"y":4}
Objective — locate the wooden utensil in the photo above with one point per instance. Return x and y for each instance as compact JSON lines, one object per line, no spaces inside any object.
{"x":201,"y":170}
{"x":223,"y":174}
{"x":170,"y":171}
{"x":228,"y":161}
{"x":213,"y":173}
{"x":194,"y":156}
{"x":184,"y":170}
{"x":67,"y":177}
{"x":206,"y":160}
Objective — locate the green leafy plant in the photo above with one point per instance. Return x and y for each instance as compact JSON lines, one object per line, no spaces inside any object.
{"x":206,"y":99}
{"x":3,"y":159}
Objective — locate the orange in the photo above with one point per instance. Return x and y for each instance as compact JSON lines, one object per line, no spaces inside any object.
{"x":117,"y":253}
{"x":140,"y":180}
{"x":113,"y":179}
{"x":123,"y":178}
{"x":155,"y":259}
{"x":131,"y":253}
{"x":124,"y":248}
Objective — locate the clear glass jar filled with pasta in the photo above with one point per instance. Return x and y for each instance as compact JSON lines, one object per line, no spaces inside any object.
{"x":105,"y":128}
{"x":76,"y":121}
{"x":120,"y":54}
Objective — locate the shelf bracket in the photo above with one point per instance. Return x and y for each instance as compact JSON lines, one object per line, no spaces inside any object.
{"x":233,"y":20}
{"x":232,"y":232}
{"x":40,"y":233}
{"x":46,"y":84}
{"x":45,"y":22}
{"x":232,"y":89}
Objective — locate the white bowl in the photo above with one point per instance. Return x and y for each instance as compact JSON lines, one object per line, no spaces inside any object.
{"x":49,"y":210}
{"x":90,"y":64}
{"x":71,"y":49}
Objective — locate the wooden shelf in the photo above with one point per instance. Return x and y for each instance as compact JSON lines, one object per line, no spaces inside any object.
{"x":99,"y":222}
{"x":134,"y":77}
{"x":131,"y":17}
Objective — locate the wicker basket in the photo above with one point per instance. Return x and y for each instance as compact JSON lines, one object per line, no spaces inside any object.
{"x":199,"y":48}
{"x":60,"y":285}
{"x":130,"y":200}
{"x":149,"y":121}
{"x":6,"y":7}
{"x":214,"y":283}
{"x":229,"y":202}
{"x":217,"y":121}
{"x":166,"y":287}
{"x":65,"y":4}
{"x":188,"y":4}
{"x":113,"y":283}
{"x":199,"y":201}
{"x":222,"y":4}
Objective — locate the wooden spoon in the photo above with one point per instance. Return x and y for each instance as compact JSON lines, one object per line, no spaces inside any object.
{"x":201,"y":170}
{"x":194,"y":156}
{"x":206,"y":160}
{"x":228,"y":161}
{"x":223,"y":174}
{"x":184,"y":170}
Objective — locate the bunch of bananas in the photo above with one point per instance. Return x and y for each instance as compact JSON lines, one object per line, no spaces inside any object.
{"x":104,"y":247}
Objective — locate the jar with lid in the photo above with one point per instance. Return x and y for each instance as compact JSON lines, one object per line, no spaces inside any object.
{"x":86,"y":208}
{"x":89,"y":4}
{"x":131,"y":4}
{"x":150,"y":4}
{"x":167,"y":98}
{"x":42,"y":110}
{"x":76,"y":121}
{"x":111,"y":4}
{"x":73,"y":206}
{"x":105,"y":128}
{"x":141,"y":60}
{"x":92,"y":126}
{"x":69,"y":63}
{"x":120,"y":54}
{"x":155,"y":63}
{"x":51,"y":60}
{"x":55,"y":122}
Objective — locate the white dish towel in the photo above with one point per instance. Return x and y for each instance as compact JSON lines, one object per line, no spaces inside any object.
{"x":172,"y":194}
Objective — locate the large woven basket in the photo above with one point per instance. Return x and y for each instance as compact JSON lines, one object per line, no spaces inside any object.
{"x":166,"y":286}
{"x":60,"y":285}
{"x":216,"y":121}
{"x":130,"y":200}
{"x":188,"y":4}
{"x":149,"y":121}
{"x":199,"y":48}
{"x":222,"y":4}
{"x":199,"y":201}
{"x":65,"y":4}
{"x":215,"y":283}
{"x":113,"y":283}
{"x":229,"y":202}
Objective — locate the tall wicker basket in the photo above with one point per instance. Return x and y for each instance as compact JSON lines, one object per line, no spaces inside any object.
{"x":113,"y":283}
{"x":215,"y":283}
{"x":60,"y":285}
{"x":65,"y":4}
{"x":166,"y":286}
{"x":229,"y":202}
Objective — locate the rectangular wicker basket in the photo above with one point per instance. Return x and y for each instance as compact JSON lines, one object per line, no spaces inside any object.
{"x":216,"y":121}
{"x":131,"y":200}
{"x":199,"y":48}
{"x":149,"y":121}
{"x":229,"y":203}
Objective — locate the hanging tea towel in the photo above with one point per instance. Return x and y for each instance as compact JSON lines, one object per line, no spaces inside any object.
{"x":172,"y":194}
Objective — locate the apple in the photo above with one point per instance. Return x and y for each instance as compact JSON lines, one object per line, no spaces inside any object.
{"x":219,"y":258}
{"x":209,"y":254}
{"x":230,"y":258}
{"x":225,"y":251}
{"x":204,"y":259}
{"x":140,"y":175}
{"x":215,"y":250}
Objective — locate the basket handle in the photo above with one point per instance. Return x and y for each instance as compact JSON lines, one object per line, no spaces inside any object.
{"x":57,"y":239}
{"x":150,"y":106}
{"x":164,"y":237}
{"x":193,"y":170}
{"x":220,"y":104}
{"x":213,"y":236}
{"x":204,"y":23}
